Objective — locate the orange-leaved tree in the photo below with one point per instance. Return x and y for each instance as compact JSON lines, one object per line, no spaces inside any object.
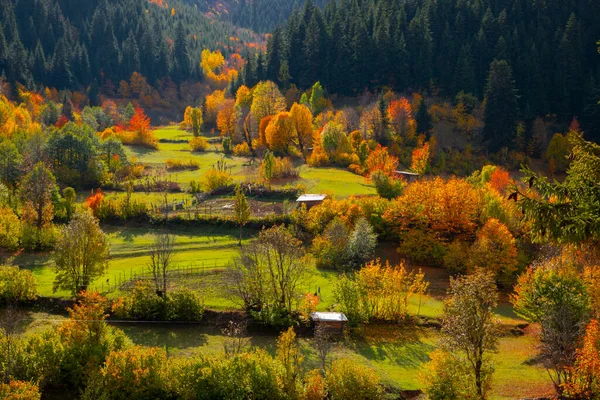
{"x":281,"y":133}
{"x":585,"y":380}
{"x":420,"y":159}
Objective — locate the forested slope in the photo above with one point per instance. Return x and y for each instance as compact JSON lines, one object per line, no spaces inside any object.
{"x":447,"y":46}
{"x":72,"y":43}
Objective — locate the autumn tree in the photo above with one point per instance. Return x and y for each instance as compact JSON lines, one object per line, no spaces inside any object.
{"x":495,"y":249}
{"x":139,"y":124}
{"x":420,"y":159}
{"x":401,"y":117}
{"x":557,"y":298}
{"x":302,"y":119}
{"x":36,"y":189}
{"x":269,"y":271}
{"x":290,"y":358}
{"x":10,"y":162}
{"x":281,"y":133}
{"x":266,"y":100}
{"x":162,"y":259}
{"x":241,"y":209}
{"x":196,"y":120}
{"x":469,"y":328}
{"x":227,"y":119}
{"x":585,"y":382}
{"x":81,"y":254}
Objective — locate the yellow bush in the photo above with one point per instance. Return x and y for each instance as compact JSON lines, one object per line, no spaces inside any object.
{"x":199,"y":144}
{"x":242,"y":150}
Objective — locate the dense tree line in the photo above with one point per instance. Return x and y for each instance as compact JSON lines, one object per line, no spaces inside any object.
{"x":264,"y":15}
{"x":69,"y":44}
{"x":447,"y":45}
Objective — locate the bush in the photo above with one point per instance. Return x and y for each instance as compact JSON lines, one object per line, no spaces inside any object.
{"x":227,"y":145}
{"x":347,"y":380}
{"x":185,"y":305}
{"x":214,"y":179}
{"x":422,"y":248}
{"x":11,"y":229}
{"x":199,"y":144}
{"x":315,"y":387}
{"x":182,"y":165}
{"x":19,"y":390}
{"x":137,"y":373}
{"x":446,"y":379}
{"x":386,"y":187}
{"x":144,"y":304}
{"x":252,"y":375}
{"x":16,"y":285}
{"x":34,"y":239}
{"x":242,"y":150}
{"x":282,"y":169}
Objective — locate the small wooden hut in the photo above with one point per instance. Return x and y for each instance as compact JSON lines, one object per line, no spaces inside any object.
{"x":333,"y":323}
{"x":409,"y":176}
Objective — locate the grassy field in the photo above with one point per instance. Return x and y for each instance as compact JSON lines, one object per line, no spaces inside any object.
{"x":335,"y":181}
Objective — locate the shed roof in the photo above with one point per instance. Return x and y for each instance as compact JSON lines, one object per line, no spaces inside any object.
{"x":407,"y":173}
{"x":329,"y":316}
{"x":311,"y":197}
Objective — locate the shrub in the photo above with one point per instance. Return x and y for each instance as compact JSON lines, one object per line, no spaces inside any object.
{"x":386,"y":187}
{"x":182,"y":165}
{"x":445,"y":378}
{"x":246,"y":375}
{"x":137,"y":373}
{"x":349,"y":380}
{"x":185,"y":305}
{"x":227,"y":145}
{"x":19,"y":390}
{"x":11,"y":229}
{"x":199,"y":144}
{"x":144,"y":304}
{"x":422,"y":247}
{"x":242,"y":150}
{"x":282,"y":169}
{"x":38,"y":239}
{"x":16,"y":285}
{"x":315,"y":386}
{"x":214,"y":179}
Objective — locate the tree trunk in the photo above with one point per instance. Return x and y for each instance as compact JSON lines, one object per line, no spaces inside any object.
{"x":240,"y":243}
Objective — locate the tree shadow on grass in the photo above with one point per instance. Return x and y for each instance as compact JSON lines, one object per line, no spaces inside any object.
{"x":404,"y":346}
{"x":170,"y":336}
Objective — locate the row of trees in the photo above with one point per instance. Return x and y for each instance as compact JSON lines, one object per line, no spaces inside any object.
{"x":86,"y":354}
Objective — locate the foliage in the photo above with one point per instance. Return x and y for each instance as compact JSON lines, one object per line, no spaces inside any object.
{"x":11,"y":229}
{"x":585,"y":382}
{"x":469,"y":328}
{"x":199,"y":144}
{"x":557,"y":298}
{"x":422,"y":247}
{"x":378,"y":292}
{"x":386,"y":186}
{"x":16,"y":285}
{"x":182,"y":165}
{"x":241,"y":209}
{"x":290,"y":358}
{"x":494,"y":249}
{"x":139,"y":124}
{"x":81,"y":254}
{"x":349,"y":380}
{"x":36,"y":189}
{"x":420,"y":159}
{"x":568,"y":211}
{"x":269,"y":271}
{"x":136,"y":372}
{"x":446,"y":377}
{"x":217,"y":177}
{"x":19,"y":390}
{"x":448,"y":208}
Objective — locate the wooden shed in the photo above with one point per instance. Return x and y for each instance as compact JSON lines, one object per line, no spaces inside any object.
{"x":333,"y":323}
{"x":311,"y":200}
{"x":409,"y":176}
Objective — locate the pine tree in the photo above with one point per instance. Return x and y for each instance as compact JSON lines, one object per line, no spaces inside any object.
{"x":501,"y":109}
{"x":181,"y":54}
{"x":423,"y":119}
